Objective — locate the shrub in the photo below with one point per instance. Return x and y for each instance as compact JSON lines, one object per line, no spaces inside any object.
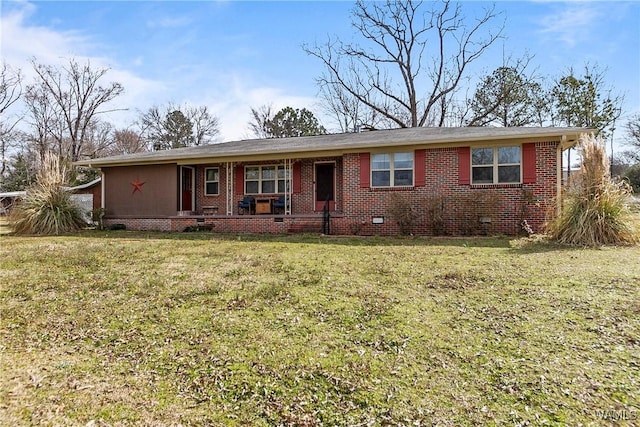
{"x":97,"y":217}
{"x":595,"y":209}
{"x":401,"y":210}
{"x":47,"y":207}
{"x":632,"y":175}
{"x":436,"y":213}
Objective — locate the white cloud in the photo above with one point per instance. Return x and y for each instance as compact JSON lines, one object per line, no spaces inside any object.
{"x":22,"y":42}
{"x":169,"y":22}
{"x":228,"y":94}
{"x":232,"y":99}
{"x":572,"y":24}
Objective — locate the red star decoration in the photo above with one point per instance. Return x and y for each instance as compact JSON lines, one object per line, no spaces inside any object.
{"x":137,"y":185}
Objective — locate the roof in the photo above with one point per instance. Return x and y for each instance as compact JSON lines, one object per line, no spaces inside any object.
{"x":12,"y":194}
{"x":84,"y":186}
{"x":333,"y":144}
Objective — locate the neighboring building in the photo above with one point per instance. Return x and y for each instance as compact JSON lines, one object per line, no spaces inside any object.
{"x":8,"y":200}
{"x":87,"y":196}
{"x":473,"y":180}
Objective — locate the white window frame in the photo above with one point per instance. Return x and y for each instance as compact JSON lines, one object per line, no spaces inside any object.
{"x":392,"y":170}
{"x":260,"y":179}
{"x":207,"y":182}
{"x":496,"y":165}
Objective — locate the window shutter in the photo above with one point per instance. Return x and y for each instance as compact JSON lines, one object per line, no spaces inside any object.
{"x":297,"y":177}
{"x":239,"y":179}
{"x":365,"y":170}
{"x":420,"y":158}
{"x":464,"y":165}
{"x":529,"y":163}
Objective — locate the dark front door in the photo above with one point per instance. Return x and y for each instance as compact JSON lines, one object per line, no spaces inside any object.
{"x":325,"y":186}
{"x":186,"y":189}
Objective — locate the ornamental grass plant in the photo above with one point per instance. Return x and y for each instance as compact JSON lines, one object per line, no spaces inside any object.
{"x":595,"y":208}
{"x":47,"y":207}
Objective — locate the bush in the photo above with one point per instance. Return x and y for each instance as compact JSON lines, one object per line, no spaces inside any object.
{"x":401,"y":210}
{"x":595,"y":209}
{"x":97,"y":216}
{"x":632,"y":175}
{"x":47,"y":207}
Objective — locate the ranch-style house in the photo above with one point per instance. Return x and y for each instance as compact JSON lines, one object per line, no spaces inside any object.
{"x":424,"y":181}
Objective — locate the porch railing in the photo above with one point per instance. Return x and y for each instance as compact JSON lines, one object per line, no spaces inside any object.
{"x":326,"y":218}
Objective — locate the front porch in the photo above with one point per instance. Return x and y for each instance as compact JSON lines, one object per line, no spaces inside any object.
{"x":277,"y":187}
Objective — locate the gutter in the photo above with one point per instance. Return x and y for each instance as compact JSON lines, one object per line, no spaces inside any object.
{"x":565,"y":144}
{"x":559,"y":150}
{"x":337,"y":149}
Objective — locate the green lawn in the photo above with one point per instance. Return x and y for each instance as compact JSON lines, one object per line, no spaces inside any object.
{"x":125,"y":328}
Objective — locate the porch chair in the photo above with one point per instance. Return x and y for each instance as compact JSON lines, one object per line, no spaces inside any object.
{"x":279,"y":205}
{"x":247,"y":204}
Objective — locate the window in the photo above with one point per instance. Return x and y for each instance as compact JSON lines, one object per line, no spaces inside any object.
{"x":211,"y":181}
{"x":265,"y":179}
{"x":495,"y":165}
{"x":392,"y":170}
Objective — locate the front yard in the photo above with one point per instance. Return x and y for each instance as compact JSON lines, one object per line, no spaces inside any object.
{"x":4,"y":225}
{"x":123,"y":328}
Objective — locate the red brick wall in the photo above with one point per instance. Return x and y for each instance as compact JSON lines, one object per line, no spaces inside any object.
{"x":220,"y":200}
{"x":147,"y":224}
{"x":461,"y":206}
{"x":441,"y":206}
{"x":232,"y":224}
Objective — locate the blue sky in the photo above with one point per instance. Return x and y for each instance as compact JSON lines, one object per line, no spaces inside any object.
{"x":234,"y":55}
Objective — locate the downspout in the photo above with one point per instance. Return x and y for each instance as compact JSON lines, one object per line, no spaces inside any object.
{"x":102,"y":192}
{"x":563,"y":141}
{"x":288,"y":191}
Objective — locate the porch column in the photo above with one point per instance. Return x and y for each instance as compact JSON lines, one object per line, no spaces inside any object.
{"x":288,"y":188}
{"x":230,"y":187}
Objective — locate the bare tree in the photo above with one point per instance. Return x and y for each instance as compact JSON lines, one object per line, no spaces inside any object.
{"x":151,"y":124}
{"x":171,"y":126}
{"x":74,"y":93}
{"x":632,"y":134}
{"x":45,"y":120}
{"x":99,"y":138}
{"x":348,"y":112}
{"x":259,"y":122}
{"x":206,"y":127}
{"x":414,"y":59}
{"x":125,"y":141}
{"x":10,"y":93}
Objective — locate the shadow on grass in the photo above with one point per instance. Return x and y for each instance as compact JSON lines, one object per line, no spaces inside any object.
{"x":533,"y":245}
{"x":450,"y":241}
{"x":514,"y":244}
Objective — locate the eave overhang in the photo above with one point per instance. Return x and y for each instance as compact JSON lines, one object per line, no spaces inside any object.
{"x":339,"y":144}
